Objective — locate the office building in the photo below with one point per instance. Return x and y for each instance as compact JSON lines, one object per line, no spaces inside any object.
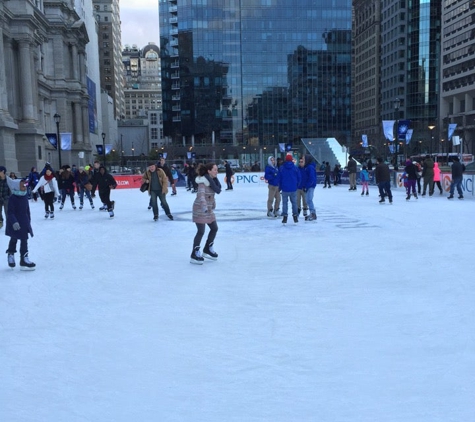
{"x":255,"y":73}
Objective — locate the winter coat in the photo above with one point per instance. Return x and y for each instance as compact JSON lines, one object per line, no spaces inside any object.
{"x":104,"y":182}
{"x":162,"y":177}
{"x":289,"y":177}
{"x":328,"y":170}
{"x":411,"y":171}
{"x":66,"y":181}
{"x":4,"y":190}
{"x":351,"y":166}
{"x":382,"y":173}
{"x":167,"y":172}
{"x":271,"y":174}
{"x":310,"y":174}
{"x":33,"y":178}
{"x":364,"y":175}
{"x":436,"y":172}
{"x":457,"y":170}
{"x":49,"y":183}
{"x":204,"y":205}
{"x":229,"y":170}
{"x":302,"y":177}
{"x":82,"y":178}
{"x":18,"y":212}
{"x":428,"y":170}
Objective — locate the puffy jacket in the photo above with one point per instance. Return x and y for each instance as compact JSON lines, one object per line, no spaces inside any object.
{"x":310,"y":174}
{"x":289,"y":177}
{"x":271,"y":173}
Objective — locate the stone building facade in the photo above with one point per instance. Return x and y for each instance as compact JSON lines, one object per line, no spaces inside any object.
{"x":42,"y":73}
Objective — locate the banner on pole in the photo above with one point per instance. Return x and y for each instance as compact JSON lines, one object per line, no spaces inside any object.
{"x":364,"y":138}
{"x":282,"y":147}
{"x":402,"y":128}
{"x":451,"y":129}
{"x":409,"y":135}
{"x":66,"y":141}
{"x":52,"y":139}
{"x":456,"y":140}
{"x":388,"y":128}
{"x":100,"y":149}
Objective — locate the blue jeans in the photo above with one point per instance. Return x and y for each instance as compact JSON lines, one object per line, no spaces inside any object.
{"x":293,"y":200}
{"x":385,"y":190}
{"x":309,"y":196}
{"x":457,"y":182}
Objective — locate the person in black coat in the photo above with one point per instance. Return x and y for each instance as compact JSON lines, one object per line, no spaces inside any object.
{"x":104,"y":182}
{"x":457,"y":177}
{"x":229,"y":175}
{"x":18,"y":223}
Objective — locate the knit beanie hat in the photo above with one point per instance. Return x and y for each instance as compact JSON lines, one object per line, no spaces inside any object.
{"x":288,"y":157}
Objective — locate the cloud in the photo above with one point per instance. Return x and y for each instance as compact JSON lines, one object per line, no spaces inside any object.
{"x":140,"y":26}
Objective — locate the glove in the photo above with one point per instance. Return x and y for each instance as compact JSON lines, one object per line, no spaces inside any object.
{"x":16,"y":226}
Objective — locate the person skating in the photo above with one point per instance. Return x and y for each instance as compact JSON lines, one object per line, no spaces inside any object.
{"x":4,"y":194}
{"x":49,"y":185}
{"x":411,"y":179}
{"x":203,"y":212}
{"x":271,"y":175}
{"x":457,"y":177}
{"x":83,"y":186}
{"x":157,"y":182}
{"x":104,"y":181}
{"x":352,"y":172}
{"x":289,"y":180}
{"x":383,"y":180}
{"x":229,"y":175}
{"x":18,"y":226}
{"x":66,"y":186}
{"x":309,"y":185}
{"x":364,"y":176}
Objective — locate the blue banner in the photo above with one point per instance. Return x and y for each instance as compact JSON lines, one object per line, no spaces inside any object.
{"x":53,"y":139}
{"x":402,"y":128}
{"x":409,"y":135}
{"x":451,"y":129}
{"x":364,"y":138}
{"x":388,"y":129}
{"x":100,"y":149}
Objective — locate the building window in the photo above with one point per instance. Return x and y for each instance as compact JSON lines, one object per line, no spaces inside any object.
{"x":154,"y":133}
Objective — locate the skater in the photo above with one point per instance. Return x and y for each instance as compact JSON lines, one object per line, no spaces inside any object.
{"x":104,"y":182}
{"x":327,"y":172}
{"x":4,"y":194}
{"x":19,"y":224}
{"x":229,"y":175}
{"x":289,"y":179}
{"x":309,"y":186}
{"x":203,"y":212}
{"x":428,"y":175}
{"x":437,"y":178}
{"x":411,"y":179}
{"x":457,"y":178}
{"x":33,"y":179}
{"x":383,"y":180}
{"x":66,"y":186}
{"x":84,"y":187}
{"x":351,"y":166}
{"x":157,"y":182}
{"x":364,"y":176}
{"x":50,"y":191}
{"x":271,"y":176}
{"x":301,"y":195}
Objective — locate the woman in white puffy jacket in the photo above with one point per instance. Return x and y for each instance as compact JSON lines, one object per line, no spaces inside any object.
{"x":50,"y":191}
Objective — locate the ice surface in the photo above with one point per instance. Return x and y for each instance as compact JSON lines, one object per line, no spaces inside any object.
{"x":366,"y":315}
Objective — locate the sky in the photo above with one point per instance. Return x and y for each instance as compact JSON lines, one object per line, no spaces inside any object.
{"x":139,"y":22}
{"x":365,"y":315}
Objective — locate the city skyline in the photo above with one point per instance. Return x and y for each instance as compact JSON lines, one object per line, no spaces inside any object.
{"x":139,"y":22}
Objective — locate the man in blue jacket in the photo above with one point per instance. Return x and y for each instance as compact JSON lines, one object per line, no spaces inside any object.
{"x":272,"y":178}
{"x":289,"y":179}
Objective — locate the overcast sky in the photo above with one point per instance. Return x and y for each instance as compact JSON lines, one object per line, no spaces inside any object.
{"x":139,"y":22}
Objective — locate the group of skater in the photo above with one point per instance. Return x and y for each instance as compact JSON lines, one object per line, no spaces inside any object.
{"x":289,"y":181}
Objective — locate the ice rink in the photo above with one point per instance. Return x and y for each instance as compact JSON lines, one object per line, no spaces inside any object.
{"x":367,"y":315}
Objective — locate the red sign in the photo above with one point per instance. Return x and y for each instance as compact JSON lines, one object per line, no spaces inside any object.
{"x":128,"y":182}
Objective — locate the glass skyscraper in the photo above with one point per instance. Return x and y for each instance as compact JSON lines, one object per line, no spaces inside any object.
{"x":255,"y":72}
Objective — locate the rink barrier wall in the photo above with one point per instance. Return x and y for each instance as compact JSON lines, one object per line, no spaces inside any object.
{"x":257,"y":179}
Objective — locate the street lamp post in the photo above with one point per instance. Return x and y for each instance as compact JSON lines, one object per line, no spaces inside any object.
{"x":431,"y":128}
{"x":397,"y":103}
{"x":104,"y":147}
{"x":57,"y":120}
